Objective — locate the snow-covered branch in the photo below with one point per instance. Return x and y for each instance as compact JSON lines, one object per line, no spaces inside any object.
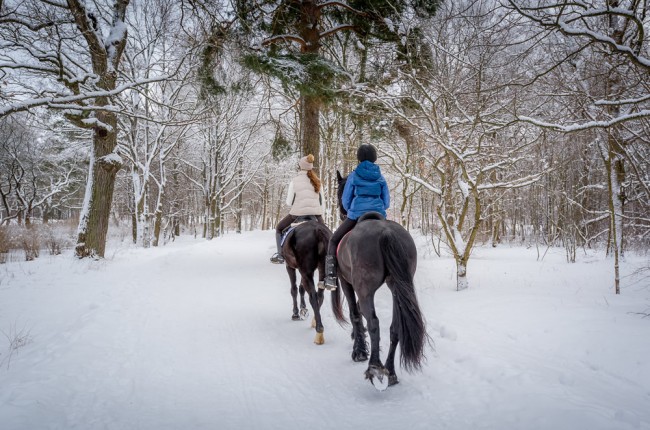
{"x":645,"y":113}
{"x":61,"y":102}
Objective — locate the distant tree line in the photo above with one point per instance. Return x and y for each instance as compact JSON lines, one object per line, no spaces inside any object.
{"x":516,"y":121}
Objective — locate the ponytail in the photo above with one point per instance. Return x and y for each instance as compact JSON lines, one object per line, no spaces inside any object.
{"x":312,"y":176}
{"x":314,"y":180}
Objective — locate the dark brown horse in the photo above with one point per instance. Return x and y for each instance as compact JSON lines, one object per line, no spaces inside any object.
{"x":304,"y":250}
{"x":374,"y":252}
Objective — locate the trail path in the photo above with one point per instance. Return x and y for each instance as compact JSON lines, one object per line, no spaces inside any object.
{"x":198,"y":335}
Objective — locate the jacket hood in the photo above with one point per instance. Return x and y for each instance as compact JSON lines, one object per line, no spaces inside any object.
{"x":368,"y":171}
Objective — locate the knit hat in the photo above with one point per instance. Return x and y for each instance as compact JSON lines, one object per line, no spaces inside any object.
{"x":306,"y":163}
{"x":367,"y":152}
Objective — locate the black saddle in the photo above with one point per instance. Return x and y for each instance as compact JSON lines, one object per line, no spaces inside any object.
{"x":371,"y":215}
{"x":305,"y":218}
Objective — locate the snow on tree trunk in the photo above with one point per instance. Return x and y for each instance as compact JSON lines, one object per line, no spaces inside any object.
{"x":461,"y":275}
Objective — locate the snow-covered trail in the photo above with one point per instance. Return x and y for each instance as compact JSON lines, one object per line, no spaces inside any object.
{"x":198,"y":335}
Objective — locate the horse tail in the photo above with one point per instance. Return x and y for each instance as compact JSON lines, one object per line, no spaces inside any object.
{"x":337,"y":302}
{"x":337,"y":306}
{"x":407,"y":317}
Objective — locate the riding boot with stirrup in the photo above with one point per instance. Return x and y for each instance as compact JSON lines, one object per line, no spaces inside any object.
{"x":330,"y":273}
{"x":277,"y":257}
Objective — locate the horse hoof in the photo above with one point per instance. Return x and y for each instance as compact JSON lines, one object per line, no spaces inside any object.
{"x":378,"y":377}
{"x":358,"y":356}
{"x":392,"y":380}
{"x":295,"y":317}
{"x":319,"y":339}
{"x":303,"y":313}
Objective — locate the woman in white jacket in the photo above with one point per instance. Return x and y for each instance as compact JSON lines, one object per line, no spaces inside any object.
{"x":305,"y":198}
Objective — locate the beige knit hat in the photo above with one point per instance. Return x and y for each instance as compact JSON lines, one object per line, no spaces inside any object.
{"x":306,"y":163}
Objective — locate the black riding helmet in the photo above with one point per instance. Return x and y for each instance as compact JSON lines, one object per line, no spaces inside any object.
{"x":367,"y":152}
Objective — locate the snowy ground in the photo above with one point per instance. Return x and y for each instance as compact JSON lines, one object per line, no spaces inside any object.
{"x":198,"y":335}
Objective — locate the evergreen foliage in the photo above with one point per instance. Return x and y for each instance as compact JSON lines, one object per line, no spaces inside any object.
{"x":280,"y":147}
{"x":310,"y":74}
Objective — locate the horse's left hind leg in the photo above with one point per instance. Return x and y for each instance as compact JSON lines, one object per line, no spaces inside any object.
{"x":294,"y":293}
{"x":304,"y":312}
{"x":376,"y":373}
{"x":359,"y":347}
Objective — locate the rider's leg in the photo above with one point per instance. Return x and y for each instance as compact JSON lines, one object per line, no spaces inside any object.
{"x":330,"y":259}
{"x":285,"y":222}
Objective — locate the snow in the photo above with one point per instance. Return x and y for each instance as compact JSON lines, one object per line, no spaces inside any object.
{"x":88,"y":195}
{"x":198,"y":334}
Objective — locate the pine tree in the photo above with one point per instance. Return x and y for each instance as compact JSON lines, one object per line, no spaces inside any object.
{"x":286,"y":40}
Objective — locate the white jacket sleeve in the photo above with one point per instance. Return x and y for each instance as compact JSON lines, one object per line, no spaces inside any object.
{"x":290,"y":193}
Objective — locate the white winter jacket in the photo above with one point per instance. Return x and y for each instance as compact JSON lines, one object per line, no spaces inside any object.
{"x":302,"y":198}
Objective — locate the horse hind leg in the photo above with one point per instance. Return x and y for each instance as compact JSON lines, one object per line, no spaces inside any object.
{"x":376,"y":372}
{"x":315,"y":300}
{"x":294,"y":293}
{"x":390,"y":359}
{"x":304,"y":312}
{"x":359,"y":346}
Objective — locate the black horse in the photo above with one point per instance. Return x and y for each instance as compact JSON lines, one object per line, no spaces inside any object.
{"x":374,"y":252}
{"x":304,"y":250}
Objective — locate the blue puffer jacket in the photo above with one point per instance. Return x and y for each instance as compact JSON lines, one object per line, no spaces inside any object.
{"x":365,"y":191}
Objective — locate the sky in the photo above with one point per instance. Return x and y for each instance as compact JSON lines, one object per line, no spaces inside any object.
{"x":198,"y":335}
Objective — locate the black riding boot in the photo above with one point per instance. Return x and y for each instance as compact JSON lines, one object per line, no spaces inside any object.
{"x":277,"y":257}
{"x":330,"y":272}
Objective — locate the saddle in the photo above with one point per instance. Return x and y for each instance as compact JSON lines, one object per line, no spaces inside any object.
{"x":371,"y":215}
{"x":289,"y":230}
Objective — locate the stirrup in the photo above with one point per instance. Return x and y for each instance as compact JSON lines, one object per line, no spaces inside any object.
{"x":330,"y":283}
{"x":277,"y":259}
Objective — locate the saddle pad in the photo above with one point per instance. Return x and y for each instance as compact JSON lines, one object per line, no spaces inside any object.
{"x":286,"y":233}
{"x":339,"y":245}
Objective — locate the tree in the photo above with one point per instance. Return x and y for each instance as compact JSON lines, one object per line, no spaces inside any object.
{"x":450,"y":114}
{"x":38,"y":173}
{"x":67,"y":56}
{"x":157,"y":115}
{"x":611,"y":35}
{"x":288,"y":37}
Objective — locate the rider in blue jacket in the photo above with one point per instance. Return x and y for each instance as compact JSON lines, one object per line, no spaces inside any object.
{"x":365,"y":191}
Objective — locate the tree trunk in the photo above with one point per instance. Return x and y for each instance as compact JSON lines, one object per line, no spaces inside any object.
{"x":310,"y":130}
{"x":461,"y":275}
{"x":310,"y":104}
{"x":93,"y":224}
{"x":615,"y":212}
{"x":104,"y":164}
{"x":157,"y":226}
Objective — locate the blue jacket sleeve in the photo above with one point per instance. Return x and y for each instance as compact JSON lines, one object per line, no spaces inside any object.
{"x":385,"y":195}
{"x":348,"y":192}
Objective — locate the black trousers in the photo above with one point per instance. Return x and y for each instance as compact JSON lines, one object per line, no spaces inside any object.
{"x":287,"y":220}
{"x":343,"y":229}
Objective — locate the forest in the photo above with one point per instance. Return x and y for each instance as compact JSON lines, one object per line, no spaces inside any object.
{"x":496,"y":121}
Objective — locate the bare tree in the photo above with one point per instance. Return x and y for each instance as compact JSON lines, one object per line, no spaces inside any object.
{"x":37,"y":175}
{"x":76,"y":49}
{"x":451,"y":113}
{"x":611,"y":36}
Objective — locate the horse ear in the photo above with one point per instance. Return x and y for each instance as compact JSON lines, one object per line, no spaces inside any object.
{"x":338,"y":176}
